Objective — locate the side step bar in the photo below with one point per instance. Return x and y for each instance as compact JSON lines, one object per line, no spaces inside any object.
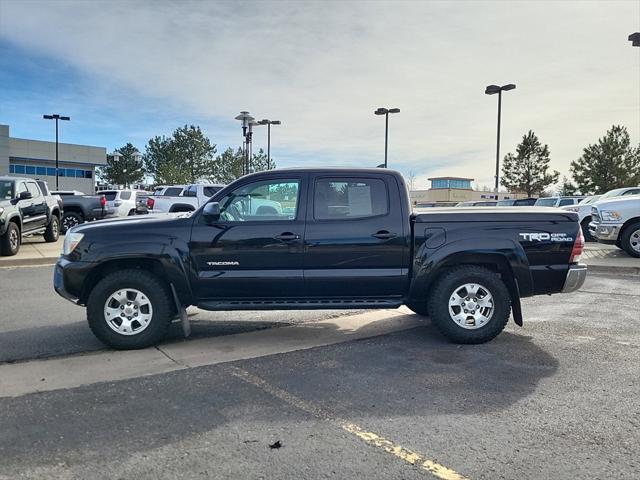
{"x":302,"y":304}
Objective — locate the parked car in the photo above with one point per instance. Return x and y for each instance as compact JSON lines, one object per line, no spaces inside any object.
{"x":478,"y":203}
{"x":519,"y":202}
{"x":346,"y":238}
{"x":558,"y":201}
{"x":78,"y":208}
{"x":192,"y":197}
{"x":122,"y":203}
{"x":25,"y":209}
{"x":617,"y":221}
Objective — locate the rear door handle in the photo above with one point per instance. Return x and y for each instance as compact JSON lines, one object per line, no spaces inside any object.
{"x":287,"y":237}
{"x":385,"y":235}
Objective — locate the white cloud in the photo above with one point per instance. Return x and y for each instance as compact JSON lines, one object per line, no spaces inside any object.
{"x":322,"y":68}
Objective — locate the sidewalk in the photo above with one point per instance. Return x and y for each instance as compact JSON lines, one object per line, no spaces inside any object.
{"x":599,"y":257}
{"x":34,"y":251}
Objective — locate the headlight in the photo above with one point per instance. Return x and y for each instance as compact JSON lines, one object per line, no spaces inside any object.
{"x":71,"y":241}
{"x":610,"y":216}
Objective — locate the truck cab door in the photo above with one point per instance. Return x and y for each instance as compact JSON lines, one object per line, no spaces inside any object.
{"x":254,"y":250}
{"x":355,"y":240}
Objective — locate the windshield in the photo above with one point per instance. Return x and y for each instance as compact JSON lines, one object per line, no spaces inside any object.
{"x":546,"y":202}
{"x":613,"y":193}
{"x":6,"y":190}
{"x":590,"y":199}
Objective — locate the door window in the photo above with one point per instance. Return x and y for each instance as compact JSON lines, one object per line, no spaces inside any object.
{"x":566,"y":201}
{"x":343,"y":199}
{"x":268,"y":200}
{"x":33,"y":189}
{"x":125,"y":195}
{"x":21,"y":188}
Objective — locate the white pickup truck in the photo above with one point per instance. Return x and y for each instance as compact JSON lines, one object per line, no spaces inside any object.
{"x":617,"y":221}
{"x":189,"y":200}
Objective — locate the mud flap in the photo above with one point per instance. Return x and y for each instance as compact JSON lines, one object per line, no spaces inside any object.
{"x":182,"y":313}
{"x":516,"y":307}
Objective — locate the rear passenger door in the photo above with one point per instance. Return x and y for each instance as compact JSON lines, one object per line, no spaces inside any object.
{"x":354,"y":241}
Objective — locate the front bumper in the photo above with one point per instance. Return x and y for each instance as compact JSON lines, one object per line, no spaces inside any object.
{"x":68,"y":278}
{"x":604,"y":232}
{"x":575,"y":278}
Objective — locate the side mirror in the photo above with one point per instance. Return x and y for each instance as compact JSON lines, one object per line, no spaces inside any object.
{"x":25,"y":196}
{"x":211,"y":212}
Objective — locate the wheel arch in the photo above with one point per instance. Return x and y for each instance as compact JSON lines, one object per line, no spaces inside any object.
{"x":628,"y":223}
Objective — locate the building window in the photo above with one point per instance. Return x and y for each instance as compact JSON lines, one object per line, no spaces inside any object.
{"x":51,"y":172}
{"x":19,"y":169}
{"x":439,"y":183}
{"x":41,"y":171}
{"x":88,"y":174}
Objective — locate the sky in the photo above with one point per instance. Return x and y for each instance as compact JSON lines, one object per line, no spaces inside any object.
{"x":125,"y":71}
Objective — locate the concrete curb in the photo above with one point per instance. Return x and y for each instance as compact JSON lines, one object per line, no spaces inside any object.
{"x":623,"y":270}
{"x":25,"y":262}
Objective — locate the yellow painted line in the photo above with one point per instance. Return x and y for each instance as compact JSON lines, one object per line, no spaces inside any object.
{"x":370,"y":438}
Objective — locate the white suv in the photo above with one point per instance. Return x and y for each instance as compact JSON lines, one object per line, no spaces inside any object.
{"x":121,"y":203}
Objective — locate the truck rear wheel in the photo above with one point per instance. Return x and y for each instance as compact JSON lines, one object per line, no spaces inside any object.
{"x":130,"y":309}
{"x":469,"y":304}
{"x":630,"y":240}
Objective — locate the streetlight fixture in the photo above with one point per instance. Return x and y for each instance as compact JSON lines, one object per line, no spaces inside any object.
{"x":634,"y":38}
{"x":56,"y":117}
{"x":116,"y":158}
{"x":268,"y":123}
{"x":386,"y":112}
{"x":491,"y":90}
{"x":245,"y":118}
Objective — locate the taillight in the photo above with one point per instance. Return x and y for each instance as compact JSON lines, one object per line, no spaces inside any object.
{"x":150,"y":202}
{"x":578,"y":247}
{"x":103,"y":200}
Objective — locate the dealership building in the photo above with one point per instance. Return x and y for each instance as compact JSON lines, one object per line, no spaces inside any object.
{"x":20,"y":157}
{"x":456,"y":189}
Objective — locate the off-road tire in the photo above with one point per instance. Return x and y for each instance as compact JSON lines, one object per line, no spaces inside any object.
{"x":156,"y":291}
{"x":629,"y":237}
{"x":585,"y":230}
{"x":9,"y":238}
{"x":52,"y":232}
{"x":450,"y":281}
{"x":70,"y":217}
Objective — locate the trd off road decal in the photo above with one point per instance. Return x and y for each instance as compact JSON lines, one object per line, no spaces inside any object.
{"x":545,"y":237}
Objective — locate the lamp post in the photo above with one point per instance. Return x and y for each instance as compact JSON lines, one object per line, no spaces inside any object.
{"x":491,"y":90}
{"x":386,"y":112}
{"x":245,"y":118}
{"x":137,"y":159}
{"x":252,"y":123}
{"x":116,"y":158}
{"x":56,"y":117}
{"x":268,"y":123}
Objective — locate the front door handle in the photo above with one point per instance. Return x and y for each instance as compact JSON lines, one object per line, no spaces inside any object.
{"x":384,"y":235}
{"x":287,"y":237}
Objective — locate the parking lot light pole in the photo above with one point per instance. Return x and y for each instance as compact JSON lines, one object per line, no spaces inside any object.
{"x":268,"y":123}
{"x":56,"y":117}
{"x":491,"y":90}
{"x":245,"y":118}
{"x":386,"y":112}
{"x":116,"y":158}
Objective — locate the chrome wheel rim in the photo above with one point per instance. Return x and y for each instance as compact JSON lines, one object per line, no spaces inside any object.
{"x":128,"y":311}
{"x":14,"y":240}
{"x":634,"y":240}
{"x":69,"y":222}
{"x":471,"y":306}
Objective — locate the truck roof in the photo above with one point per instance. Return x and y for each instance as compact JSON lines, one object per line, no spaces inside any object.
{"x":330,"y":170}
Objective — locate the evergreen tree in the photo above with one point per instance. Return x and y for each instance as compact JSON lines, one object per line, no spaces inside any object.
{"x":567,"y":188}
{"x":528,"y":170}
{"x":610,"y":163}
{"x":123,"y":169}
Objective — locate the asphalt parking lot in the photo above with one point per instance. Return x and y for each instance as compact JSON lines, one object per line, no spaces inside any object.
{"x":555,"y":399}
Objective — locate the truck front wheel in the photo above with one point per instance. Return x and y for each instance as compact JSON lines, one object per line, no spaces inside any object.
{"x":129,"y":309}
{"x":469,"y":304}
{"x":630,"y":240}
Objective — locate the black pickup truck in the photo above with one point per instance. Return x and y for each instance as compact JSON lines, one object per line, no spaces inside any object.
{"x":318,"y":239}
{"x":26,"y":208}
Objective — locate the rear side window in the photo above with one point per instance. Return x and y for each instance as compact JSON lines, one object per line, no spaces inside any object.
{"x":633,"y":191}
{"x":190,"y":191}
{"x":125,"y":195}
{"x":346,"y":198}
{"x":109,"y":196}
{"x":173,"y":192}
{"x":566,"y":201}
